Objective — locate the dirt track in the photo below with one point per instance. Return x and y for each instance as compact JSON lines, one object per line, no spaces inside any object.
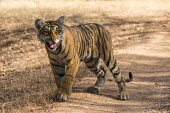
{"x":149,"y":60}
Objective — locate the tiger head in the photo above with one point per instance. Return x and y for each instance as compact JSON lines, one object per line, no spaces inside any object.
{"x":50,"y":32}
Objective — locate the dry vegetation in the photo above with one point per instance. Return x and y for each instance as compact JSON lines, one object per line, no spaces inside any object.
{"x":26,"y":80}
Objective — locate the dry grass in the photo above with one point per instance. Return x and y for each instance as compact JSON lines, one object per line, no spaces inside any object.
{"x":26,"y":79}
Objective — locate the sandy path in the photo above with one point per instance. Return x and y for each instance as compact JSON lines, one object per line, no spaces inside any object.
{"x":149,"y":92}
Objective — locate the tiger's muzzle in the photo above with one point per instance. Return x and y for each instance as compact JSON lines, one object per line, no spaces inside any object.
{"x":54,"y":44}
{"x":51,"y":44}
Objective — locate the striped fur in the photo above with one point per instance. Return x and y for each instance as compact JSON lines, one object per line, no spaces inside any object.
{"x":67,"y":46}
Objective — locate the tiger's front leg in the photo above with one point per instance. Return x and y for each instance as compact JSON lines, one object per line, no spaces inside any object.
{"x":64,"y":92}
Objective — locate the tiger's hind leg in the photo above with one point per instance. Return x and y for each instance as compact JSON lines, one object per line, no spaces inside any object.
{"x":111,"y":63}
{"x":95,"y":66}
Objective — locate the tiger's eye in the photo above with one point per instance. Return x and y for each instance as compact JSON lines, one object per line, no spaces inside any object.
{"x":39,"y":26}
{"x":46,"y":29}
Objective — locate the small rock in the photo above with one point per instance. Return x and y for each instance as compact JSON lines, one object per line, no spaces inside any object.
{"x":110,"y":80}
{"x":157,"y":83}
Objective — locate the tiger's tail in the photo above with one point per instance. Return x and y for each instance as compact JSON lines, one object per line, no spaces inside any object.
{"x":115,"y":70}
{"x":130,"y":77}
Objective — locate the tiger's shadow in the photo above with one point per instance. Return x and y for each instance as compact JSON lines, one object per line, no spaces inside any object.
{"x":101,"y":93}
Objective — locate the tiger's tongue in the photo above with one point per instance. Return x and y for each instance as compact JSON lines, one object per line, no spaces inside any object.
{"x":53,"y":45}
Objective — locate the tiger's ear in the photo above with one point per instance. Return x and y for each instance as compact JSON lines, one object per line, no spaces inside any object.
{"x":60,"y":20}
{"x":39,"y":23}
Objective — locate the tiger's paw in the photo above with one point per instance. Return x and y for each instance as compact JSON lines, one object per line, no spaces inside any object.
{"x":93,"y":89}
{"x":123,"y":96}
{"x":62,"y":96}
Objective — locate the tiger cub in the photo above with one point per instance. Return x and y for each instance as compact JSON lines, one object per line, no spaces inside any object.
{"x":68,"y":46}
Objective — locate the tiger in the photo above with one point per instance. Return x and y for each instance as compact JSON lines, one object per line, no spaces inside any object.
{"x":67,"y":46}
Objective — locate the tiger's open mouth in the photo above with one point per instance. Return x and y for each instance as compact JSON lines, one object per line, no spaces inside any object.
{"x":52,"y":46}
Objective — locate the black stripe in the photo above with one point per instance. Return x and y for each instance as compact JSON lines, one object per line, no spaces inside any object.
{"x":92,"y":34}
{"x":116,"y":73}
{"x":81,"y":40}
{"x":63,"y":50}
{"x":74,"y":54}
{"x":60,"y":47}
{"x":120,"y":81}
{"x":104,"y":40}
{"x":53,"y":59}
{"x":90,"y":59}
{"x":95,"y":71}
{"x":107,"y":35}
{"x":79,"y":50}
{"x":70,"y":66}
{"x":103,"y":35}
{"x":86,"y":37}
{"x":114,"y":65}
{"x":91,"y":27}
{"x":103,"y":53}
{"x":98,"y":40}
{"x":61,"y":75}
{"x":56,"y":65}
{"x":69,"y":28}
{"x":82,"y":46}
{"x":103,"y":43}
{"x":69,"y":76}
{"x":66,"y":54}
{"x":69,"y":60}
{"x":93,"y":64}
{"x":108,"y":62}
{"x":53,"y":53}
